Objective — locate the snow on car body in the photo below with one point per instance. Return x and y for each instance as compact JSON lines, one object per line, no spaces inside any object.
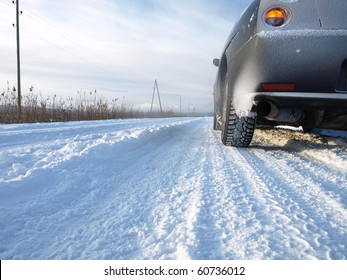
{"x":285,"y":62}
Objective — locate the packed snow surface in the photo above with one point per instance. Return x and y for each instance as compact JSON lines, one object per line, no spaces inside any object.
{"x":168,"y":189}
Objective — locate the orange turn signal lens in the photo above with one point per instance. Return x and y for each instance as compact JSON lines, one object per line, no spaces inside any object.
{"x":275,"y":17}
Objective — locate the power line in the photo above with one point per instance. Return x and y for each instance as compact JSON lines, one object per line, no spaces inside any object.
{"x":31,"y":15}
{"x":110,"y":68}
{"x":68,"y":51}
{"x":6,"y":9}
{"x":6,"y":4}
{"x":39,"y":20}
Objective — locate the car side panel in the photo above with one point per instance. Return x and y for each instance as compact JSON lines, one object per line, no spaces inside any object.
{"x":243,"y":31}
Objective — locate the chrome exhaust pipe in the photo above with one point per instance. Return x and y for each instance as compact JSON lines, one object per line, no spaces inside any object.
{"x":270,"y":111}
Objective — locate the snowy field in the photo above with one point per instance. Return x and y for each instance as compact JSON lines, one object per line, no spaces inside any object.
{"x":168,"y":189}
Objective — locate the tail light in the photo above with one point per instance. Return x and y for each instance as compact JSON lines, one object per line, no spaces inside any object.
{"x":276,"y":17}
{"x":278,"y":86}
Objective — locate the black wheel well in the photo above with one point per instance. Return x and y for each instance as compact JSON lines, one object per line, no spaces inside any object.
{"x":223,"y":69}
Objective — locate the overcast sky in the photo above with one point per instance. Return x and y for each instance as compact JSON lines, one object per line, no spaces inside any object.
{"x":118,"y":47}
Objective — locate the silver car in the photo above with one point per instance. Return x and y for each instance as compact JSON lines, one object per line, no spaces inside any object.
{"x":285,"y":62}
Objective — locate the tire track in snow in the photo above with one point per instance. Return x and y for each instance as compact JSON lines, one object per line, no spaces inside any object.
{"x":319,"y":219}
{"x":226,"y":227}
{"x":311,"y":157}
{"x":178,"y":201}
{"x":281,"y":219}
{"x":274,"y":210}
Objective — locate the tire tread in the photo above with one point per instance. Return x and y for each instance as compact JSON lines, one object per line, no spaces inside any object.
{"x":239,"y":131}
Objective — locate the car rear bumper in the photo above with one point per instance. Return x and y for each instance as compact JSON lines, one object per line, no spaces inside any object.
{"x":304,"y":100}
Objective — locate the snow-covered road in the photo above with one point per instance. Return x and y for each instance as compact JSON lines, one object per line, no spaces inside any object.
{"x":168,"y":189}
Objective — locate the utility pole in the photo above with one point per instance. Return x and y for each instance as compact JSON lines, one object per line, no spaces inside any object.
{"x":156,"y":88}
{"x":19,"y":101}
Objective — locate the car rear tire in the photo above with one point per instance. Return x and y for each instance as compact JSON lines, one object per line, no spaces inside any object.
{"x":236,"y":131}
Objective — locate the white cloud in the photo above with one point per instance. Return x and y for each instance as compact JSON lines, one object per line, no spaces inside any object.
{"x":119,"y":47}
